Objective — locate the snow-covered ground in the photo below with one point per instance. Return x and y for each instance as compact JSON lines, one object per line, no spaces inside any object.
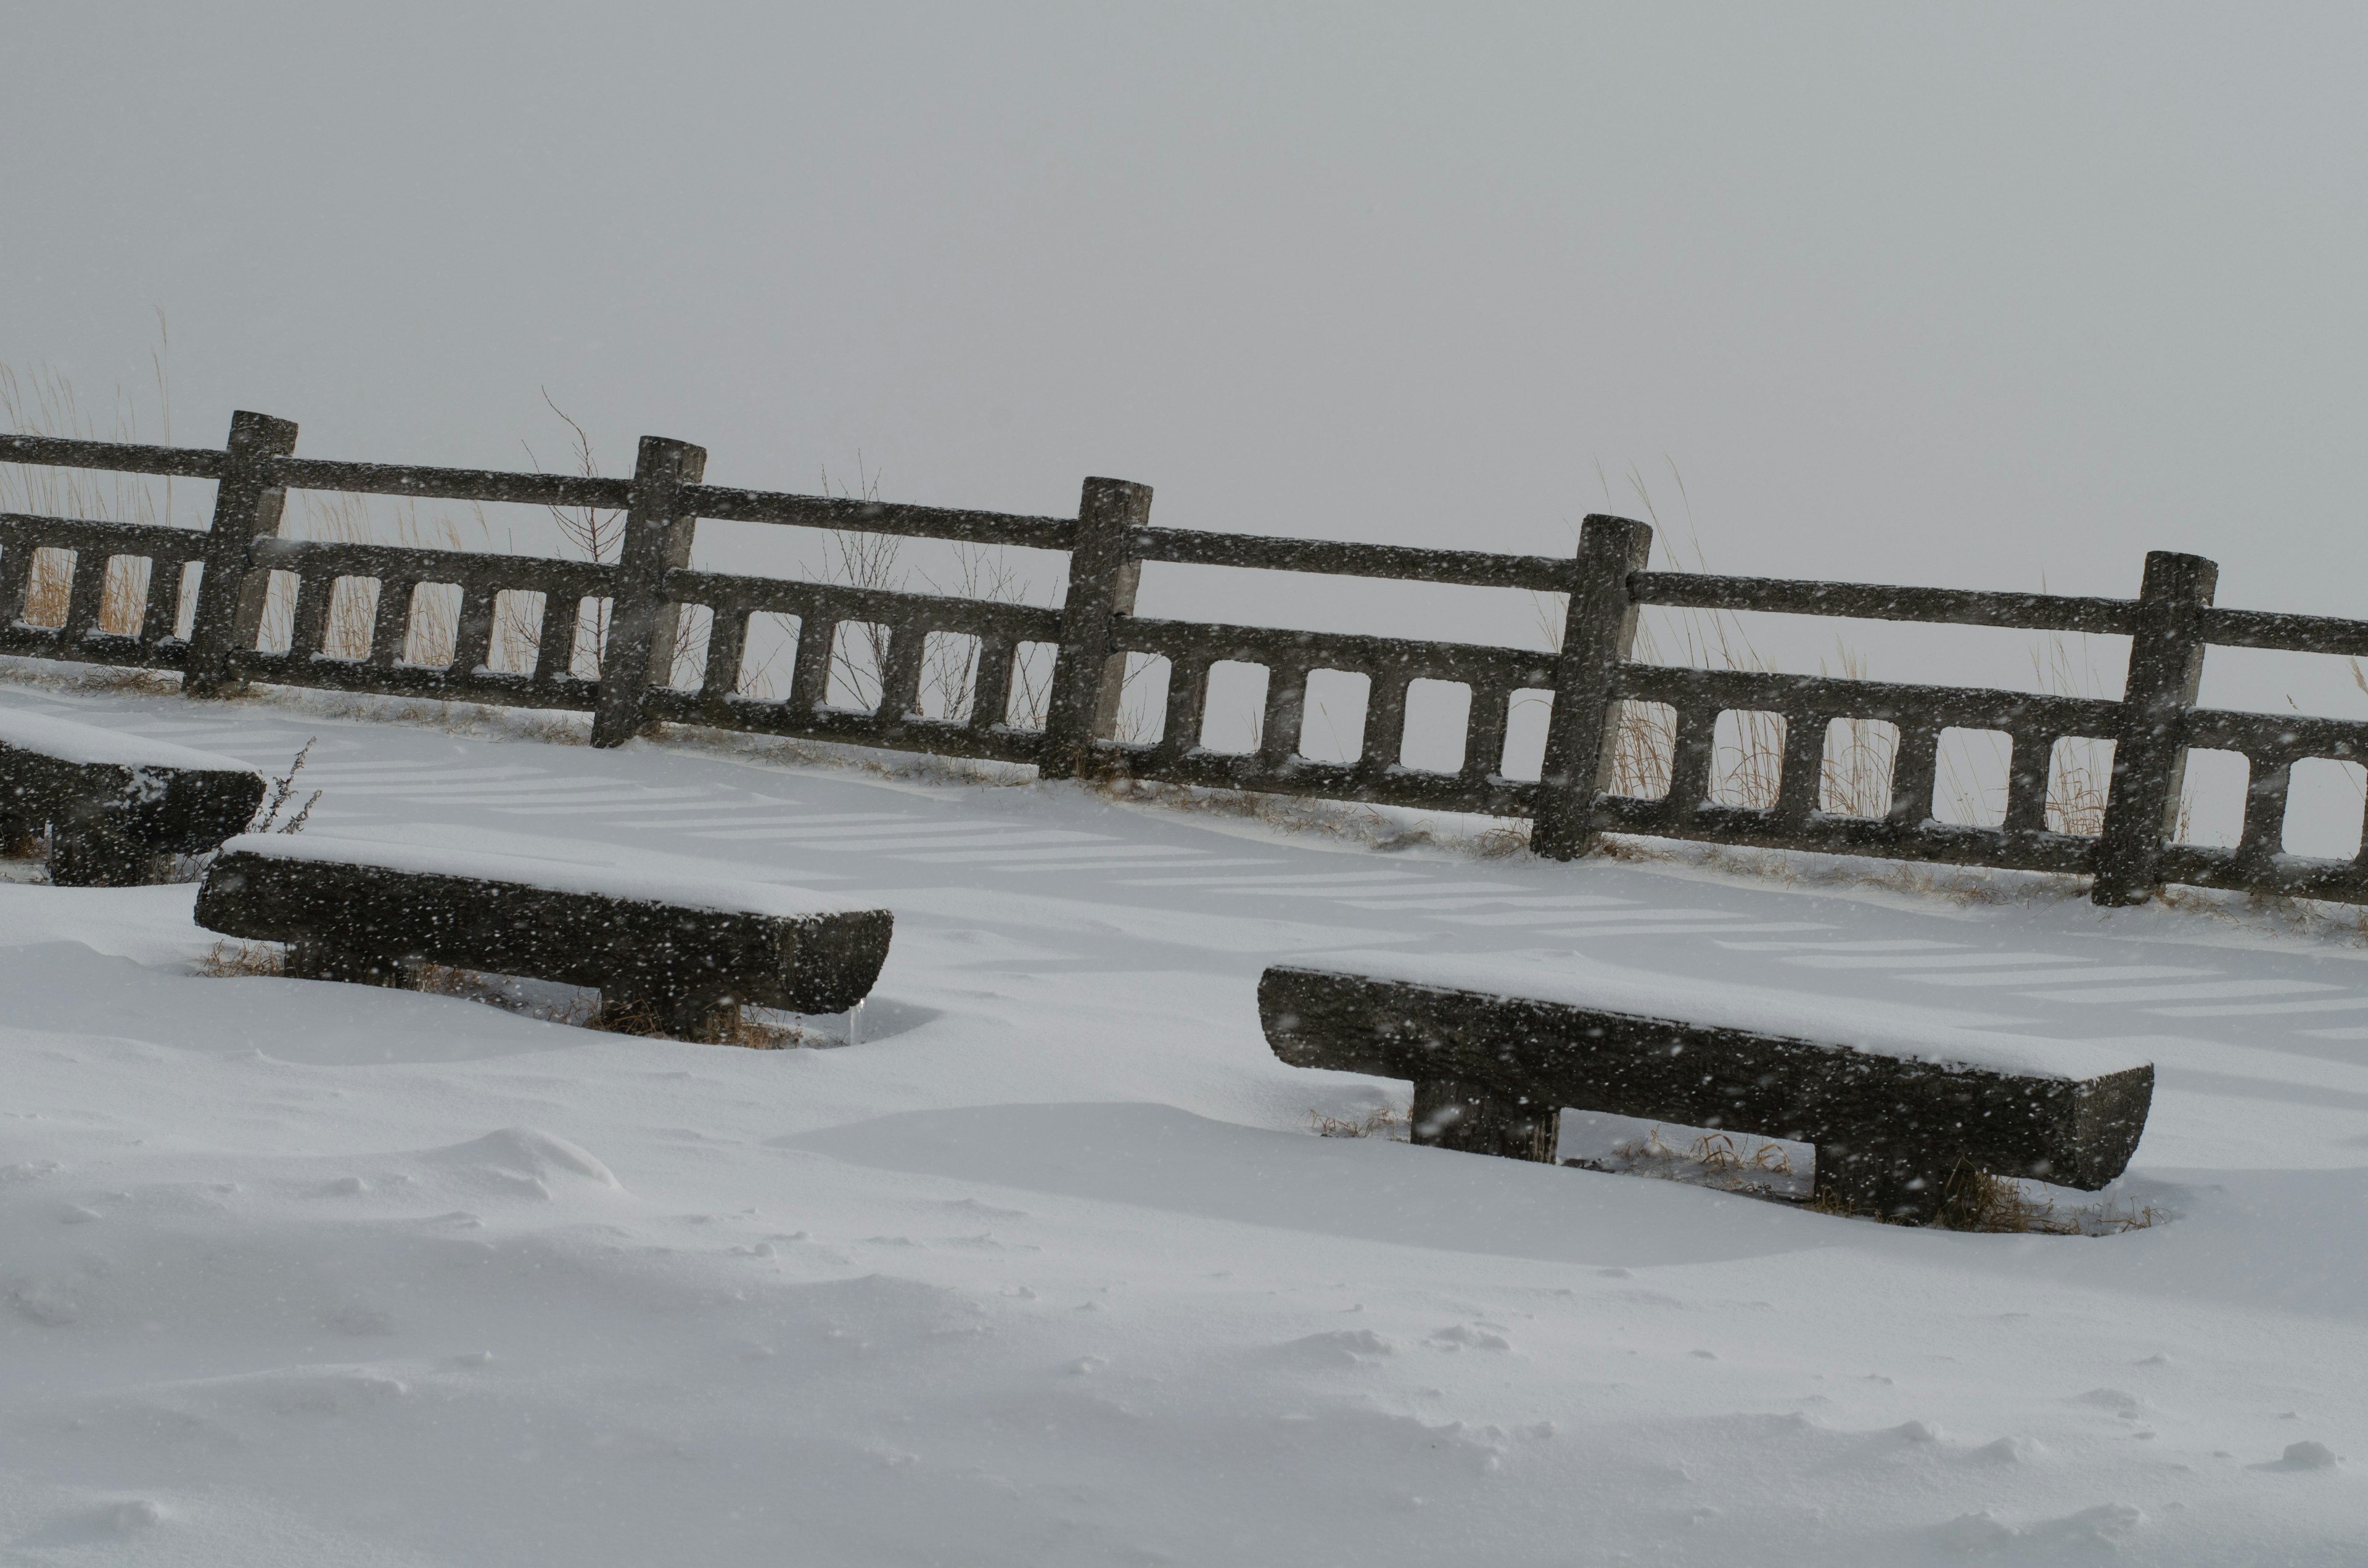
{"x":1051,"y":1269}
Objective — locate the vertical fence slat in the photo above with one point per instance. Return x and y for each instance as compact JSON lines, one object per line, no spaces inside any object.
{"x":2029,"y":761}
{"x":1799,"y":785}
{"x":1483,"y":731}
{"x":472,"y":636}
{"x":1598,"y":630}
{"x":1103,"y":575}
{"x":309,"y":620}
{"x":1386,"y":710}
{"x":727,"y":643}
{"x":1914,"y":768}
{"x":1285,"y":715}
{"x":642,"y":621}
{"x":1689,"y":758}
{"x":2150,"y":752}
{"x":161,"y":615}
{"x":391,"y":628}
{"x":87,"y":595}
{"x":2263,"y":838}
{"x":810,"y":678}
{"x":246,"y":508}
{"x":990,"y":692}
{"x":15,"y":580}
{"x":900,"y":672}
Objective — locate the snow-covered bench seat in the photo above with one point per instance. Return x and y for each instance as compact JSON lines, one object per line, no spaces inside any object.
{"x":1895,"y":1104}
{"x":683,"y":949}
{"x":117,"y":806}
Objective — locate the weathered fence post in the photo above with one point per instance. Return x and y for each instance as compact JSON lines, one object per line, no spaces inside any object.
{"x":642,"y":619}
{"x":1598,"y":628}
{"x":246,"y":508}
{"x":2151,"y":753}
{"x":1088,"y":679}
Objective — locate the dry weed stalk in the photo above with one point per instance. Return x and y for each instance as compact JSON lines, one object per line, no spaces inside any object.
{"x":1389,"y":1122}
{"x":226,"y":961}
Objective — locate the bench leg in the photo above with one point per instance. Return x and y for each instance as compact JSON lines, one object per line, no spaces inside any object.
{"x":319,"y":961}
{"x":1449,"y":1115}
{"x":702,"y":1019}
{"x":1903,"y":1186}
{"x":91,"y":855}
{"x":20,"y":838}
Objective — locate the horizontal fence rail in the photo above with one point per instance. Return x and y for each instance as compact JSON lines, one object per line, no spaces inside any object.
{"x":646,"y":638}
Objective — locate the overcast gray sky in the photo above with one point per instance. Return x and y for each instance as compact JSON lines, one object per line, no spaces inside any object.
{"x":1968,"y":294}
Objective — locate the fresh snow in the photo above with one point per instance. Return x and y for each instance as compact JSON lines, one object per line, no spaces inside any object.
{"x":1051,"y":1269}
{"x":22,"y":729}
{"x":1576,"y":980}
{"x":643,"y":878}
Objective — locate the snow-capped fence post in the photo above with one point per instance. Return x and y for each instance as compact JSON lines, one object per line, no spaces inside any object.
{"x":1598,"y":630}
{"x":2150,"y":752}
{"x":642,"y":619}
{"x":246,"y":508}
{"x":1104,"y":570}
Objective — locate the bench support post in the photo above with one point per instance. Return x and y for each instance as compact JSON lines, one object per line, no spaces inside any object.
{"x":1905,"y":1187}
{"x":643,"y":623}
{"x":230,"y":598}
{"x":2151,"y":753}
{"x":1463,"y":1117}
{"x":322,"y":961}
{"x":1089,"y":679}
{"x":1598,"y":630}
{"x":96,"y":854}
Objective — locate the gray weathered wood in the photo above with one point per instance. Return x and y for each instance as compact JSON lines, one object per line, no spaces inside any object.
{"x":118,"y":457}
{"x":1598,"y":628}
{"x":2150,"y":748}
{"x":1103,"y":572}
{"x":658,"y":532}
{"x":690,"y":967}
{"x":113,"y":824}
{"x":1492,"y":1072}
{"x":1874,"y":601}
{"x":247,"y":504}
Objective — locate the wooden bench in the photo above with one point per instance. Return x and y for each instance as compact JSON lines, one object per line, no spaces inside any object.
{"x":683,"y":950}
{"x":1896,"y":1107}
{"x":116,"y":807}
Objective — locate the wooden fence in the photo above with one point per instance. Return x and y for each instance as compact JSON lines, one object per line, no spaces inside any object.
{"x":203,"y":610}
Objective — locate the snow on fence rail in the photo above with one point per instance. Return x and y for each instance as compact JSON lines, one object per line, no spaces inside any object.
{"x":1590,"y":681}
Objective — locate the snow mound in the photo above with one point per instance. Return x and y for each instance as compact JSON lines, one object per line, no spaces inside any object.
{"x":527,"y":1155}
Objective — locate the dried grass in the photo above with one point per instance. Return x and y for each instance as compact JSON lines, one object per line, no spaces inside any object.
{"x":230,"y":961}
{"x":1389,"y":1122}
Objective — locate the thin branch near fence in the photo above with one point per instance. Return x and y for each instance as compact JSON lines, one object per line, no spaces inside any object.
{"x":1742,"y":754}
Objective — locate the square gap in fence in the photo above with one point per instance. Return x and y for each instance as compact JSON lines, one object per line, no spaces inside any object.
{"x":1747,"y":758}
{"x":2212,"y":798}
{"x":1854,"y":779}
{"x":1438,"y":726}
{"x":433,"y":626}
{"x":858,"y":655}
{"x":353,"y":616}
{"x":769,"y":657}
{"x":2325,"y":797}
{"x":1234,"y":723}
{"x":1969,"y":777}
{"x":1031,"y":698}
{"x":1143,"y":700}
{"x":694,"y":636}
{"x":587,"y":647}
{"x":124,"y":599}
{"x":517,"y":645}
{"x":2079,"y":776}
{"x":1527,"y":713}
{"x":276,"y":634}
{"x":1644,"y":749}
{"x":949,"y":689}
{"x":50,"y":586}
{"x":1332,"y":715}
